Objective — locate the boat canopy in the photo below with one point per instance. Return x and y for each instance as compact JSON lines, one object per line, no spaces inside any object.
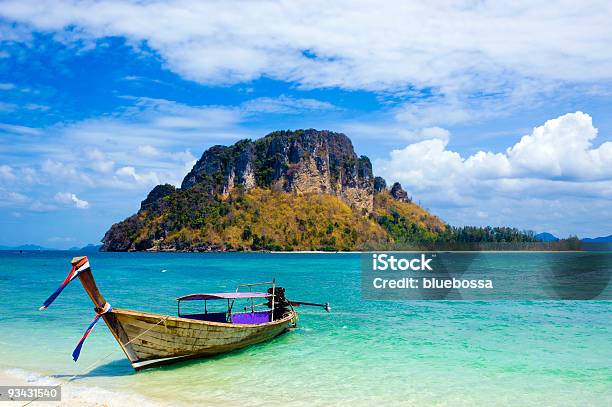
{"x":223,"y":296}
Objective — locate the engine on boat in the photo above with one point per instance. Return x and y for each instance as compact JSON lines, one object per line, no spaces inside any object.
{"x":281,"y":304}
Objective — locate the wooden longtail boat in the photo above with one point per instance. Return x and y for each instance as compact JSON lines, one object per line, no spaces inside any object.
{"x":149,"y":339}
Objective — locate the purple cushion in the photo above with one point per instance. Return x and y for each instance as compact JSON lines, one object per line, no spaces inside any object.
{"x":250,"y":318}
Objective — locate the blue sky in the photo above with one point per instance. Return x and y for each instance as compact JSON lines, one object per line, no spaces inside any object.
{"x":487,"y":114}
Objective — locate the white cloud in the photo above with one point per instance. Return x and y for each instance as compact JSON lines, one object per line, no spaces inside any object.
{"x":6,"y":173}
{"x":17,"y":197}
{"x":135,"y":149}
{"x":183,"y":156}
{"x":11,"y":198}
{"x":68,"y":198}
{"x":159,"y":123}
{"x":128,"y":174}
{"x":21,"y":130}
{"x":38,"y":206}
{"x":561,"y":149}
{"x":167,"y":115}
{"x":426,"y":133}
{"x":24,"y":175}
{"x":62,"y":172}
{"x":36,"y":106}
{"x":442,"y":110}
{"x":19,"y":200}
{"x":98,"y":161}
{"x":351,"y":44}
{"x":285,"y":105}
{"x":29,"y":175}
{"x":557,"y":162}
{"x":148,"y":151}
{"x":388,"y":130}
{"x":6,"y":86}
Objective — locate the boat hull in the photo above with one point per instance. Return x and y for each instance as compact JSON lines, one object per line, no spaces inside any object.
{"x":150,"y":340}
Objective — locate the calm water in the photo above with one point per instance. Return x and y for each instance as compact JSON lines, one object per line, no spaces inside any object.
{"x":363,"y":353}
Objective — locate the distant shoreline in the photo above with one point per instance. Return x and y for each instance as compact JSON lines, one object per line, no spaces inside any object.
{"x":297,"y":252}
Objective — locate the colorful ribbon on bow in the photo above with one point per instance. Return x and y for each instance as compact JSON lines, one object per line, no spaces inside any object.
{"x":77,"y":269}
{"x":77,"y":351}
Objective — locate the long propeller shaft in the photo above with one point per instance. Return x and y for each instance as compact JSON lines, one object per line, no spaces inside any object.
{"x":325,"y":306}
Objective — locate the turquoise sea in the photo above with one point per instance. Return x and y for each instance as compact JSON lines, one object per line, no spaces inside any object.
{"x":364,"y":353}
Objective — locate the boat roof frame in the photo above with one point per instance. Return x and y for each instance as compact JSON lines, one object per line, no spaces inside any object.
{"x":231,"y":297}
{"x":223,"y":296}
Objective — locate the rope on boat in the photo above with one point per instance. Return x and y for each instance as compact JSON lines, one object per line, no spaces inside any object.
{"x":91,"y":366}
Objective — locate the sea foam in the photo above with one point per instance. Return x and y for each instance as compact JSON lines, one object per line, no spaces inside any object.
{"x":74,"y":394}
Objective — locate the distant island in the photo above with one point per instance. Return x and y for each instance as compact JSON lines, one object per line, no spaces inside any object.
{"x":288,"y":191}
{"x":601,"y":239}
{"x":89,"y":248}
{"x":546,"y":237}
{"x":25,"y":247}
{"x":549,"y":237}
{"x":34,"y":247}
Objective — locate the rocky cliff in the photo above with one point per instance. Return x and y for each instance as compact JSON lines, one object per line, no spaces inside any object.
{"x":290,"y":190}
{"x":303,"y":161}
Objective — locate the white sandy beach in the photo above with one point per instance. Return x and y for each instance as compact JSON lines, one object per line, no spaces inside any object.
{"x":73,"y":395}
